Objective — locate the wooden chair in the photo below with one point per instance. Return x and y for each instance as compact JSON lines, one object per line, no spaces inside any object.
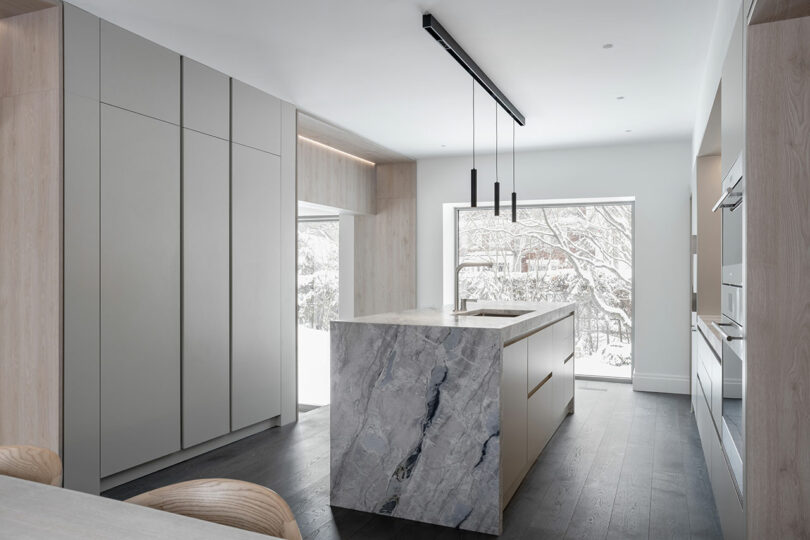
{"x":228,"y":502}
{"x":31,"y":463}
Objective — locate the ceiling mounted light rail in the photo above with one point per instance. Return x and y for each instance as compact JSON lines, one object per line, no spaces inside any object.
{"x":441,"y":35}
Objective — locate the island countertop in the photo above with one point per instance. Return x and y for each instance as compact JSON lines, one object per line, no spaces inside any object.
{"x":511,"y":328}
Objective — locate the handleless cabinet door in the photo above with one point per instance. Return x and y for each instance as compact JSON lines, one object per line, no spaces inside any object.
{"x":256,"y":118}
{"x":206,"y":99}
{"x":563,"y":332}
{"x":81,"y":52}
{"x":563,"y":339}
{"x":541,"y":348}
{"x":513,"y":415}
{"x":140,"y":289}
{"x":731,"y":99}
{"x":206,"y":288}
{"x":139,"y":75}
{"x":541,"y":417}
{"x":255,"y":362}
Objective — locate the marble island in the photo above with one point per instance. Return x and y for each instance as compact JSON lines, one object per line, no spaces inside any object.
{"x":437,"y":416}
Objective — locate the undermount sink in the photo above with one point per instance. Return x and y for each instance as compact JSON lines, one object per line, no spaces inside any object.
{"x":494,"y":313}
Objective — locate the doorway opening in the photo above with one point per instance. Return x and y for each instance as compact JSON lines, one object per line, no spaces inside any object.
{"x":560,"y":252}
{"x":318,"y":301}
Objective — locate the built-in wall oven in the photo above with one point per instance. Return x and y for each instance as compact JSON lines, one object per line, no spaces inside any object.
{"x":732,"y":326}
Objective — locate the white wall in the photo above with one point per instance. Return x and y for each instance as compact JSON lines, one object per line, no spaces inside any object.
{"x":656,"y":174}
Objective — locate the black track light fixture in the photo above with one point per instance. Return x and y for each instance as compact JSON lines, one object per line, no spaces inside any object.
{"x":473,"y":171}
{"x":514,"y":194}
{"x":448,"y":43}
{"x":497,"y":183}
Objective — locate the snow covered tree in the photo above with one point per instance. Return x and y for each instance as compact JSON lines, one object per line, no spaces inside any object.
{"x":559,"y":253}
{"x":318,"y":273}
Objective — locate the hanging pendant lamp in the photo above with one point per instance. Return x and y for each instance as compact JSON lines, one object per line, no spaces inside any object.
{"x":473,"y":171}
{"x":497,"y":183}
{"x":514,"y":194}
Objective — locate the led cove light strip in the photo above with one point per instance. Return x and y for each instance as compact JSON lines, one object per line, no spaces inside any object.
{"x":335,"y":150}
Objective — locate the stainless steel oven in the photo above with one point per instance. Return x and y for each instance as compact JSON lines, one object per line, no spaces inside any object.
{"x":732,"y":326}
{"x":732,"y":205}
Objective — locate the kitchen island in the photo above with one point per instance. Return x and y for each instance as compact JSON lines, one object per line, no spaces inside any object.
{"x":437,"y":417}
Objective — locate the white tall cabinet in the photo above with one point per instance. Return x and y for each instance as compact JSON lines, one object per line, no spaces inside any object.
{"x":177,"y":188}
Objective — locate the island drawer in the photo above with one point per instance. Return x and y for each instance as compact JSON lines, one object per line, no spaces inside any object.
{"x":563,"y":338}
{"x":541,"y":417}
{"x":541,"y":347}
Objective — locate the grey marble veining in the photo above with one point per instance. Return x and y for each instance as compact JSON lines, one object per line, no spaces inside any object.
{"x":415,"y":424}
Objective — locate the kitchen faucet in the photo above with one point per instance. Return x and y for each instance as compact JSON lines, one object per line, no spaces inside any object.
{"x":461,"y":305}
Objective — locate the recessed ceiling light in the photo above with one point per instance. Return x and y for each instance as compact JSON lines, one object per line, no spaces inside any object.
{"x":620,"y":97}
{"x":607,"y":46}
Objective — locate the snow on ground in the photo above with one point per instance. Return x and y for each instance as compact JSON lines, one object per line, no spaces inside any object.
{"x":595,"y":365}
{"x":313,"y":366}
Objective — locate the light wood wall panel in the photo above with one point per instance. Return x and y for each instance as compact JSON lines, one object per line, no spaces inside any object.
{"x":10,"y":8}
{"x":778,"y":281}
{"x":30,"y":229}
{"x":329,"y":178}
{"x":385,"y":244}
{"x":709,"y":263}
{"x":765,"y":11}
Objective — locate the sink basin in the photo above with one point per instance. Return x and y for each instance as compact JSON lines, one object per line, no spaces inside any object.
{"x":494,"y":313}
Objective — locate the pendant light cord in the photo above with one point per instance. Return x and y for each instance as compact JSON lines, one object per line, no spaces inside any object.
{"x":473,"y":120}
{"x":496,"y":141}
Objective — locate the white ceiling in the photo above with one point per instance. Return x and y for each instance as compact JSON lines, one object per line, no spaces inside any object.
{"x":369,"y":67}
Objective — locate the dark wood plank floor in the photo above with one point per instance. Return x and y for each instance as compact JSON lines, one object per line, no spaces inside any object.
{"x":625,"y":465}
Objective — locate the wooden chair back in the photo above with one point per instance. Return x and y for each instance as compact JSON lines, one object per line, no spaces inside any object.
{"x":228,"y":502}
{"x":31,"y":463}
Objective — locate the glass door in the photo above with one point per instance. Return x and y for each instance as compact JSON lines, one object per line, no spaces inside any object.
{"x":318,"y":278}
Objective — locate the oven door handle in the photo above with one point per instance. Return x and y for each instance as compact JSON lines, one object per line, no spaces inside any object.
{"x":721,"y":203}
{"x":726,"y":335}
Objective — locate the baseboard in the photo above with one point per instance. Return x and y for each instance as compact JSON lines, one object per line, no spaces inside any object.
{"x":660,"y":382}
{"x":128,"y":475}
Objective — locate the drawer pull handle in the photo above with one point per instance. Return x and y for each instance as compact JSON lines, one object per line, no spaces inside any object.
{"x":536,"y":388}
{"x":726,"y":335}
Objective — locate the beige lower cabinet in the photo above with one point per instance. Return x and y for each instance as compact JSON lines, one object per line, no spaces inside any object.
{"x":513,"y":416}
{"x":708,"y":420}
{"x":537,"y":387}
{"x":541,"y":419}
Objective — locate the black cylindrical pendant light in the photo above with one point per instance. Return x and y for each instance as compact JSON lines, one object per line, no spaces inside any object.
{"x":473,"y":171}
{"x":497,"y":183}
{"x":514,"y":194}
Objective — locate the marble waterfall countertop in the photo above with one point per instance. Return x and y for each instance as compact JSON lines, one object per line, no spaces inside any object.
{"x":541,"y":314}
{"x":416,"y":412}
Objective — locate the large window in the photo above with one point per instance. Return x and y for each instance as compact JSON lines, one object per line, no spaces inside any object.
{"x":580,"y":253}
{"x":318,"y":276}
